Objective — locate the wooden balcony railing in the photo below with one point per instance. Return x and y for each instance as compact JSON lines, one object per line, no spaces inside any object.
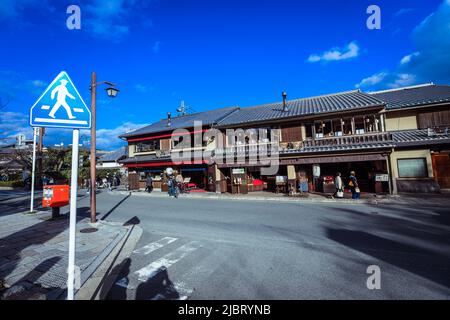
{"x":246,"y":149}
{"x":370,"y":138}
{"x":367,"y":138}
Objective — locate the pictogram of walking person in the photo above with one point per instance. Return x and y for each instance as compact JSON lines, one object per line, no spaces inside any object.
{"x":62,"y":93}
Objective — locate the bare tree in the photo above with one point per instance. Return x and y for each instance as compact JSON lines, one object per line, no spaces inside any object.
{"x":24,"y":157}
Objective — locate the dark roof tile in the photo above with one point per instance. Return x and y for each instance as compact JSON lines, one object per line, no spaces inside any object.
{"x":414,"y":96}
{"x":187,"y":121}
{"x":302,"y":107}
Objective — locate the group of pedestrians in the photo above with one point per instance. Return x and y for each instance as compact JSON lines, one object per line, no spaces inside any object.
{"x":174,"y":184}
{"x":352,"y":185}
{"x":110,"y":181}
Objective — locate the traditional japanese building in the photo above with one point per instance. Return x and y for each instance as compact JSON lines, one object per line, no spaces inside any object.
{"x":395,"y":140}
{"x":150,"y":149}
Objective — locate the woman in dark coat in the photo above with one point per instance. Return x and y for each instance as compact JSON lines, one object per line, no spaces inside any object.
{"x":149,"y":184}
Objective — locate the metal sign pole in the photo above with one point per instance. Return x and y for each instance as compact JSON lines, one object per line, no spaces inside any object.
{"x":73,"y":215}
{"x":32,"y":169}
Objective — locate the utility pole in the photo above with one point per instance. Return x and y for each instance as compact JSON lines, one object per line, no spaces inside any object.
{"x":93,"y":148}
{"x":35,"y":132}
{"x":40,"y":154}
{"x":112,"y":92}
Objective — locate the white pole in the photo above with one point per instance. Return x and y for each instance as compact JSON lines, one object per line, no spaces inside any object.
{"x":32,"y":169}
{"x":73,"y":215}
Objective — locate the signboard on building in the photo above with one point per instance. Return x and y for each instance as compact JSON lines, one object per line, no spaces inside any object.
{"x":382,"y":177}
{"x":316,"y":170}
{"x":239,"y":171}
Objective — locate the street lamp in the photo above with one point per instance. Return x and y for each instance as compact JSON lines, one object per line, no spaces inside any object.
{"x":112,"y":92}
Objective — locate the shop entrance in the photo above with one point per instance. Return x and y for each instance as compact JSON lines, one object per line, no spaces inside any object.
{"x":198,"y":177}
{"x":371,"y":175}
{"x":441,"y":168}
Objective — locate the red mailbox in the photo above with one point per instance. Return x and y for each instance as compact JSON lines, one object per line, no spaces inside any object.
{"x":55,"y":196}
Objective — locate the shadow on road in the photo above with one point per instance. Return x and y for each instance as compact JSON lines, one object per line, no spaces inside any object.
{"x":106,"y":215}
{"x":415,"y":242}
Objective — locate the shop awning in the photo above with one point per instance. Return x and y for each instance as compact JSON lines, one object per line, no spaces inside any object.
{"x":335,"y":159}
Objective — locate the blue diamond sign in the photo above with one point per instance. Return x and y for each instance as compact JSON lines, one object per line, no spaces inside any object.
{"x":60,"y":106}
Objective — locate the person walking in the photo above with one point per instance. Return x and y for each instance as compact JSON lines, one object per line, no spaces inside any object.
{"x":179,"y":181}
{"x":109,"y":181}
{"x":339,"y":186}
{"x":353,"y":184}
{"x":149,"y":184}
{"x":170,"y":184}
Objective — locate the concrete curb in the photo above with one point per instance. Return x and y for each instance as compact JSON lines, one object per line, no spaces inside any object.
{"x":97,"y":286}
{"x":60,"y":293}
{"x":250,"y":198}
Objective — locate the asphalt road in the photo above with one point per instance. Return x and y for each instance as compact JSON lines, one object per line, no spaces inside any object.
{"x":234,"y":249}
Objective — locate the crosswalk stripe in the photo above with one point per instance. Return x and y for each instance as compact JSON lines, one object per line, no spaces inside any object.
{"x":168,"y":260}
{"x":155,"y":245}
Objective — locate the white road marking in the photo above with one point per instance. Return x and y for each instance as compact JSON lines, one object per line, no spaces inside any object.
{"x":60,"y":121}
{"x":155,"y":245}
{"x":168,"y":260}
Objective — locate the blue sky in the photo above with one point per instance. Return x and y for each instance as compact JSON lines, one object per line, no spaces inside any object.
{"x":211,"y":54}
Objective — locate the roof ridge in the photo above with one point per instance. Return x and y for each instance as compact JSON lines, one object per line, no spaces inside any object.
{"x":308,"y":98}
{"x":404,"y":88}
{"x":199,"y":112}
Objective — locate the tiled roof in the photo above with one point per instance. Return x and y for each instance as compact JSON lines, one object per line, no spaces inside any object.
{"x":187,"y":121}
{"x":153,"y":158}
{"x":115,"y":155}
{"x":419,"y":137}
{"x":414,"y":96}
{"x":303,"y":107}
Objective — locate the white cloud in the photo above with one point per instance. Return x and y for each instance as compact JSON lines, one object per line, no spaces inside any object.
{"x":431,"y":61}
{"x":337,"y":54}
{"x":141,"y":88}
{"x":39,"y":83}
{"x":13,"y":9}
{"x":406,"y":59}
{"x":402,"y":80}
{"x":13,"y":123}
{"x":372,"y":80}
{"x":403,"y":11}
{"x":156,"y":46}
{"x":107,"y":18}
{"x":109,"y":138}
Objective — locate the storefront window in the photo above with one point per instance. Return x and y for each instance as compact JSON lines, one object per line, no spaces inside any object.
{"x":147,"y":146}
{"x":412,"y":168}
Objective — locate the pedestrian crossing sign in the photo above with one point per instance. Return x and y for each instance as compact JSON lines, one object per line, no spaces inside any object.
{"x":61,"y":106}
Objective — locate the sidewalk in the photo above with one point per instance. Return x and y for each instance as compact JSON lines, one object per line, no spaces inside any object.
{"x":34,"y":253}
{"x":366,"y":198}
